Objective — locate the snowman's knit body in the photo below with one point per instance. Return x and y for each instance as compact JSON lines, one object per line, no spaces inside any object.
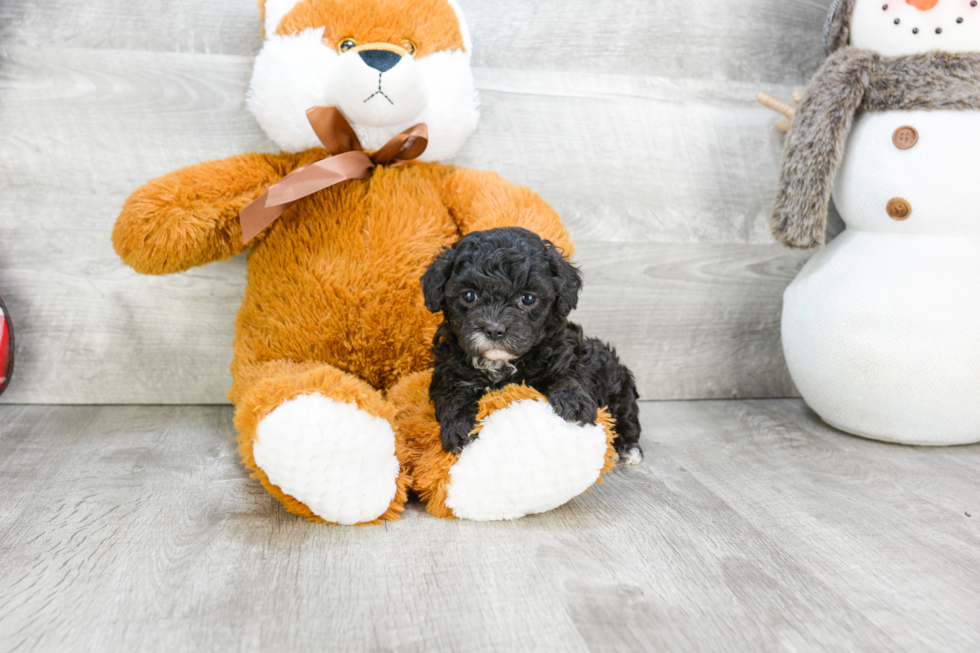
{"x":881,"y":329}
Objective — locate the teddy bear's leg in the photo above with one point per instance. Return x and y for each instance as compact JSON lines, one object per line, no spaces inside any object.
{"x":525,"y":459}
{"x":321,"y":441}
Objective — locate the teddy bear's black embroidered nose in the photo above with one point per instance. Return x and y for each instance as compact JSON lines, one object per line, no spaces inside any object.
{"x":381,"y":60}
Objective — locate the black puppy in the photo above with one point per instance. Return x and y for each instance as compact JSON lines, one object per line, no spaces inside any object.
{"x":505,"y":295}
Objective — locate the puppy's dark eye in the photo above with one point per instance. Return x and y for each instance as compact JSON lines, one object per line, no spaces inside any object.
{"x":528,"y":300}
{"x":345,"y":45}
{"x":470,"y":297}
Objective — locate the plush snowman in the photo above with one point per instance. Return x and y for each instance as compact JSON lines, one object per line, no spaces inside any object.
{"x":881,"y":329}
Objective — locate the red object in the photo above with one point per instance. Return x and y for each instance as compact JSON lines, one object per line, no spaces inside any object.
{"x":6,"y":348}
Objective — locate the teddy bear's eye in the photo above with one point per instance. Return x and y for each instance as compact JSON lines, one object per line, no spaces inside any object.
{"x":345,"y":45}
{"x":470,"y":297}
{"x":528,"y":299}
{"x":409,"y":46}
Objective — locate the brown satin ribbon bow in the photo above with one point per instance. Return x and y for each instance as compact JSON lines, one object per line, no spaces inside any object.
{"x":349,"y":161}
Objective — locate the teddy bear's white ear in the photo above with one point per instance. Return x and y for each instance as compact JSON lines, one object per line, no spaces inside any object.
{"x":274,"y":11}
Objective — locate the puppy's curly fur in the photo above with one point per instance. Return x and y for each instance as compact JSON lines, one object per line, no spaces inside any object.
{"x":505,"y":295}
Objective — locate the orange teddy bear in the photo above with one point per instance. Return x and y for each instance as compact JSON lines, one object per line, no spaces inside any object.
{"x":333,"y":338}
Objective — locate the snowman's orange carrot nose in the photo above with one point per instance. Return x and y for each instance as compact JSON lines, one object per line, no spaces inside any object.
{"x":923,"y":5}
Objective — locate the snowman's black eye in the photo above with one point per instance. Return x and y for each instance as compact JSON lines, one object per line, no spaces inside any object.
{"x":884,"y":8}
{"x":939,"y":30}
{"x":345,"y":45}
{"x":898,"y":21}
{"x":915,"y":30}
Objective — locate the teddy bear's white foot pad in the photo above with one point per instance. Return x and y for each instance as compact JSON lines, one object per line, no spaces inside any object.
{"x":526,"y":460}
{"x":337,"y":459}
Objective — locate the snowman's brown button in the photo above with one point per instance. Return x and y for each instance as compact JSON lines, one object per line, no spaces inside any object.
{"x":905,"y":138}
{"x":899,"y":209}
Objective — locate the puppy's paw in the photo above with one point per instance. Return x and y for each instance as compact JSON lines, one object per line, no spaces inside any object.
{"x":630,"y":454}
{"x":455,"y":434}
{"x":573,"y":406}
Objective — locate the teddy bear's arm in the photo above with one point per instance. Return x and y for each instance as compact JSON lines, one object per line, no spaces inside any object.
{"x":480,"y":200}
{"x":189,"y":217}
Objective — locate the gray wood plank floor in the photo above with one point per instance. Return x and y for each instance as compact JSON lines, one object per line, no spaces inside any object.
{"x":750,"y":527}
{"x":636,"y":119}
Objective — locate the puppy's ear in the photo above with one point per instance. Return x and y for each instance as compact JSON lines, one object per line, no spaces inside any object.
{"x":566,"y":278}
{"x":435,"y":278}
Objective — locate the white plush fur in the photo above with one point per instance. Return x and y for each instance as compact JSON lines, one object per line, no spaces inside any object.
{"x":880,"y":328}
{"x":527,"y":460}
{"x":375,"y":100}
{"x":295,"y":72}
{"x":874,"y":28}
{"x":337,"y":459}
{"x":288,"y":78}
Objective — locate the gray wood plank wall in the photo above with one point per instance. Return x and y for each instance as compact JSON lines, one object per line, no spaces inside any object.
{"x":634,"y":118}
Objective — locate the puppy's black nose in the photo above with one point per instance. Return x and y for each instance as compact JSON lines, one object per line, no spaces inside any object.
{"x":381,"y":60}
{"x":495,"y":331}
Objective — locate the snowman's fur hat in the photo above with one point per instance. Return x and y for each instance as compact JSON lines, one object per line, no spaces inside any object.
{"x":354,"y":54}
{"x":853,"y":80}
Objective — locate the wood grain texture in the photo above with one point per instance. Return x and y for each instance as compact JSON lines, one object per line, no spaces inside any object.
{"x":750,"y":527}
{"x":217,"y":27}
{"x":755,"y":40}
{"x":635,"y":119}
{"x":772,"y":41}
{"x":720,"y":303}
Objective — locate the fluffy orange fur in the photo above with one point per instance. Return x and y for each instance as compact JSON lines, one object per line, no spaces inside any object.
{"x":418,"y":431}
{"x":333,"y":302}
{"x":190,"y":217}
{"x":431,"y":24}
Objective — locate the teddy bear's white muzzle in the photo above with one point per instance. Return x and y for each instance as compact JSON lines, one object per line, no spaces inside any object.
{"x":378,"y":88}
